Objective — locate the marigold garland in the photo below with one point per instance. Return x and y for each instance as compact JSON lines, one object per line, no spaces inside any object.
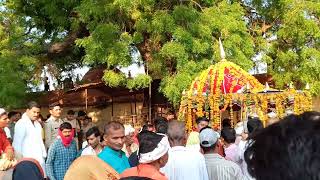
{"x":205,"y":91}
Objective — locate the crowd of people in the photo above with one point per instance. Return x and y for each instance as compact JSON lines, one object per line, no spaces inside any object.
{"x":72,"y":148}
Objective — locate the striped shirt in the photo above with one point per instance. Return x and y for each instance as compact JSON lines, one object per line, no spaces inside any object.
{"x":222,"y":169}
{"x":59,"y":159}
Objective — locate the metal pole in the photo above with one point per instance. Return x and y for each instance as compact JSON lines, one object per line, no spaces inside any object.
{"x":86,"y":95}
{"x":135,"y":104}
{"x":112,"y":107}
{"x":149,"y":100}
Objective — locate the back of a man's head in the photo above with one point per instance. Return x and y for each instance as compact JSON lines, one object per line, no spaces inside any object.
{"x":12,"y":113}
{"x":81,"y":113}
{"x":176,"y":133}
{"x":312,"y":115}
{"x":229,"y":135}
{"x":226,"y":123}
{"x":254,"y":125}
{"x":161,"y":125}
{"x":286,"y":150}
{"x":112,"y":125}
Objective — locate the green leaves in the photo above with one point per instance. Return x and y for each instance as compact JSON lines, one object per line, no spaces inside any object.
{"x":176,"y":39}
{"x":114,"y":79}
{"x":107,"y":45}
{"x":171,"y":86}
{"x":139,"y":82}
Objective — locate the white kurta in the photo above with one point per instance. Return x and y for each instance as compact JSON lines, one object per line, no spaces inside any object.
{"x":28,"y":141}
{"x":185,"y":164}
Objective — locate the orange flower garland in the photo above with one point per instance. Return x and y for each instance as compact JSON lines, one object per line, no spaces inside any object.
{"x":212,"y":79}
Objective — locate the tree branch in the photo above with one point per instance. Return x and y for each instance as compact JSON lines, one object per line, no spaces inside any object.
{"x":62,"y":48}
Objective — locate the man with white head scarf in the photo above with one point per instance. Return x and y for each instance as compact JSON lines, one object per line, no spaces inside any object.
{"x":153,"y":154}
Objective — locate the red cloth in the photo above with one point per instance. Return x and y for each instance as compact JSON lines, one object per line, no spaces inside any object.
{"x":66,"y":141}
{"x":4,"y":142}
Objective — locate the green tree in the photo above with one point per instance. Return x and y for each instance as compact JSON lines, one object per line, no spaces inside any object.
{"x":175,"y":38}
{"x":17,"y":66}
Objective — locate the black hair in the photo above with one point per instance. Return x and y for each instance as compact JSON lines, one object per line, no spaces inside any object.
{"x":27,"y":169}
{"x":148,"y":141}
{"x":33,"y":104}
{"x":51,"y":106}
{"x":65,"y":125}
{"x":199,"y":119}
{"x":144,"y":128}
{"x":94,"y":130}
{"x":226,"y":123}
{"x":81,"y":113}
{"x":228,"y":134}
{"x":161,"y":125}
{"x":286,"y":150}
{"x":207,"y":149}
{"x":70,"y":112}
{"x":170,"y":112}
{"x":254,"y":125}
{"x":135,"y":178}
{"x":115,"y":125}
{"x":312,"y":115}
{"x":12,"y":113}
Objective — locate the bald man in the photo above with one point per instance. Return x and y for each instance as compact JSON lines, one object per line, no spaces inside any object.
{"x":183,"y":163}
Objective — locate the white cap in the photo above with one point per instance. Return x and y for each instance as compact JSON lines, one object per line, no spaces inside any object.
{"x":128,"y":129}
{"x":208,"y":137}
{"x":2,"y":111}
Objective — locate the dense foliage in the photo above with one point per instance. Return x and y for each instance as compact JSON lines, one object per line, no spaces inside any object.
{"x":175,"y":38}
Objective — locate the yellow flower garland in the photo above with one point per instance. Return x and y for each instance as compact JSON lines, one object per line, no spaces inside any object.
{"x":302,"y":100}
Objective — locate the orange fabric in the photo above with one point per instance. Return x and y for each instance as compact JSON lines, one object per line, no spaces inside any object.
{"x":144,"y":170}
{"x":90,"y":168}
{"x":4,"y":142}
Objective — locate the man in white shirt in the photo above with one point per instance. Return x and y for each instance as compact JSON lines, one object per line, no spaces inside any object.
{"x":218,"y":167}
{"x":254,"y":125}
{"x":27,"y":139}
{"x":183,"y":163}
{"x":53,"y":123}
{"x":93,"y":138}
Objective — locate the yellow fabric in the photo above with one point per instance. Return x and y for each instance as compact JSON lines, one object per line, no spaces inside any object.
{"x":193,"y":138}
{"x":90,"y":168}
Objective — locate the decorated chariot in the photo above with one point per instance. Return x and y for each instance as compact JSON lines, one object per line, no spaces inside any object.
{"x":224,"y":89}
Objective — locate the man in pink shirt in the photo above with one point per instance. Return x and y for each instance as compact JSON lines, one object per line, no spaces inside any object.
{"x":230,"y":148}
